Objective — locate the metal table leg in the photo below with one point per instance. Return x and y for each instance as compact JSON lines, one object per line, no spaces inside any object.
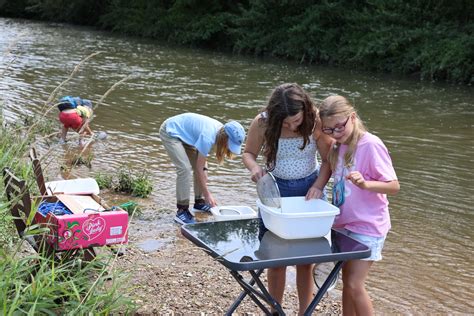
{"x":254,"y":294}
{"x":324,"y":288}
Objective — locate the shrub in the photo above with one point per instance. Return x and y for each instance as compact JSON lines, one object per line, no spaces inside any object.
{"x":125,"y":180}
{"x":141,"y":185}
{"x":137,"y":185}
{"x":104,"y":181}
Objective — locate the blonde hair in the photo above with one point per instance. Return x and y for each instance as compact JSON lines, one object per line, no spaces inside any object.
{"x":337,"y":105}
{"x":222,"y":150}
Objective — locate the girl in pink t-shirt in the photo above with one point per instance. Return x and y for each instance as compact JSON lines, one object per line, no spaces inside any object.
{"x":363,"y":176}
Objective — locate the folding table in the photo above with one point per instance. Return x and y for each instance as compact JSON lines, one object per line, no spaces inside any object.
{"x":242,"y":245}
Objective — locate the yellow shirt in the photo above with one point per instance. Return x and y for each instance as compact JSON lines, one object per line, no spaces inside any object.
{"x":84,"y":111}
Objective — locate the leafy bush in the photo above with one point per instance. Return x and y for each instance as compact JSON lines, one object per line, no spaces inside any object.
{"x":138,"y":185}
{"x":141,"y":185}
{"x":126,"y":181}
{"x":104,"y":181}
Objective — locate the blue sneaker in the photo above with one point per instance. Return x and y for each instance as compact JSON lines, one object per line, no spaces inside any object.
{"x":184,"y":217}
{"x":202,"y":207}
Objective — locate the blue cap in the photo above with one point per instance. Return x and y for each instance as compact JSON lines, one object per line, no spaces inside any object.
{"x":69,"y":100}
{"x":236,"y":134}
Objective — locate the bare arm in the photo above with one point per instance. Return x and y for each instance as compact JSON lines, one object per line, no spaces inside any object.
{"x":253,"y":145}
{"x":87,"y":129}
{"x":384,"y":187}
{"x":324,"y":143}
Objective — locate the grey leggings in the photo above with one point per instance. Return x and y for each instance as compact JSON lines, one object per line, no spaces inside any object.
{"x":184,"y":158}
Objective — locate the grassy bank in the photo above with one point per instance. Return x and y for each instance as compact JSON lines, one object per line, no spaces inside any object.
{"x":32,"y":283}
{"x":433,"y":40}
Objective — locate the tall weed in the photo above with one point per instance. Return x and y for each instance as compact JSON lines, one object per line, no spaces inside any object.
{"x":34,"y":284}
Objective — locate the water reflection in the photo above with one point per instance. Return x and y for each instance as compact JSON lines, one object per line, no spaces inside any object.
{"x":428,"y":128}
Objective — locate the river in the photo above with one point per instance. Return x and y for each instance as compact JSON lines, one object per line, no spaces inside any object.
{"x":428,"y":128}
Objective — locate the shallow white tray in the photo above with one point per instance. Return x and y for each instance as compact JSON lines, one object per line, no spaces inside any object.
{"x":233,"y":212}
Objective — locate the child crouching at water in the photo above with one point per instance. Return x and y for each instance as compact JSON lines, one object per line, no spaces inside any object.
{"x":74,"y":113}
{"x":363,"y":176}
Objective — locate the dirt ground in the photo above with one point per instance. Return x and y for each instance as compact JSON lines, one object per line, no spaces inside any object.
{"x":170,"y":275}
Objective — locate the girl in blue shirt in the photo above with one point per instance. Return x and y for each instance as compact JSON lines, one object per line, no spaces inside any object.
{"x":188,"y":139}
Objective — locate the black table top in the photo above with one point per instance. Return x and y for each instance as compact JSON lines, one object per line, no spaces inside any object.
{"x":242,"y":245}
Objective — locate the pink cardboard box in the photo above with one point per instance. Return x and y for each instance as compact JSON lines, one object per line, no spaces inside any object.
{"x":91,"y":225}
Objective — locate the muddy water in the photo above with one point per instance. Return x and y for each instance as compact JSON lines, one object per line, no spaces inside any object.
{"x":428,"y":128}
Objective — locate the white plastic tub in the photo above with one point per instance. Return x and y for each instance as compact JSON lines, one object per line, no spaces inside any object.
{"x":298,"y":219}
{"x":226,"y":213}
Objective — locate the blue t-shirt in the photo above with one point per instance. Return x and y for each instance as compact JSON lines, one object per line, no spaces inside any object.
{"x":194,"y":129}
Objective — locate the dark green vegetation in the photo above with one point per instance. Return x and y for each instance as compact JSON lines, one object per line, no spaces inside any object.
{"x":433,"y":40}
{"x":137,"y":184}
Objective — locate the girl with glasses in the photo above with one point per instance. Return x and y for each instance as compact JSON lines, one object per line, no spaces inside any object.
{"x":363,"y":176}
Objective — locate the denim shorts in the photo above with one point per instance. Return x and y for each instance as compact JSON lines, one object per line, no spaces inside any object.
{"x":297,"y":187}
{"x":374,"y":243}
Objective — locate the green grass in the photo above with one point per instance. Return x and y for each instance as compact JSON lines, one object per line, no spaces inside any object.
{"x":81,"y":159}
{"x":70,"y":287}
{"x":30,"y":283}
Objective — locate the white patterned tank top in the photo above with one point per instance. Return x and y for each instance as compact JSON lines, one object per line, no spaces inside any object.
{"x":294,"y":163}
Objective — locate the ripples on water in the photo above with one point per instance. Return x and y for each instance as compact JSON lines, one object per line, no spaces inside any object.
{"x":428,"y":129}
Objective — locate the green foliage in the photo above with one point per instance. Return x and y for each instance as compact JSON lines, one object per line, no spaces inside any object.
{"x":15,"y":9}
{"x":69,"y":287}
{"x":126,"y":181}
{"x":141,"y":185}
{"x":81,"y":159}
{"x":432,"y":39}
{"x":138,"y":185}
{"x":105,"y":181}
{"x":86,"y":12}
{"x":14,"y":144}
{"x":202,"y":23}
{"x":34,"y":285}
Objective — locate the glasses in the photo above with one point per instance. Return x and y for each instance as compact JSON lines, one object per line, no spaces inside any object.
{"x":338,"y":129}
